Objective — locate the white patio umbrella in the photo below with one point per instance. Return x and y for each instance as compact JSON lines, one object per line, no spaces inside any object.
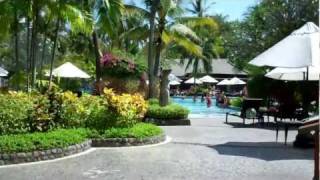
{"x":192,"y":81}
{"x":3,"y":72}
{"x":224,"y":82}
{"x":173,"y":77}
{"x":236,"y":81}
{"x":208,"y":79}
{"x":68,"y":70}
{"x":294,"y":74}
{"x":174,"y":83}
{"x":299,"y":49}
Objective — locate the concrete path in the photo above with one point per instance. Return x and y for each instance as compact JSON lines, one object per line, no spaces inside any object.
{"x":209,"y":149}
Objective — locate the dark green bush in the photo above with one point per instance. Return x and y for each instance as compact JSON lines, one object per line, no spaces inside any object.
{"x":14,"y":113}
{"x":140,"y":130}
{"x":41,"y":141}
{"x":171,"y":111}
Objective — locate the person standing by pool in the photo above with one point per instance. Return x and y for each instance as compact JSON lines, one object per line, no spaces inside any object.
{"x":208,"y":98}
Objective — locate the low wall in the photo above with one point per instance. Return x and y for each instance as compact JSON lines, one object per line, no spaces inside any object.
{"x":122,"y":142}
{"x":40,"y":155}
{"x":23,"y":157}
{"x":168,"y":122}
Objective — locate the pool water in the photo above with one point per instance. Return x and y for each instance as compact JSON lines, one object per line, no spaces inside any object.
{"x":199,"y":109}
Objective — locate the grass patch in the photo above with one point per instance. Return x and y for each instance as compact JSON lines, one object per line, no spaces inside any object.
{"x":42,"y":141}
{"x":140,"y":130}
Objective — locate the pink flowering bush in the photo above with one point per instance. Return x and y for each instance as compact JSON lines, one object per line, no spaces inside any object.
{"x":120,"y":66}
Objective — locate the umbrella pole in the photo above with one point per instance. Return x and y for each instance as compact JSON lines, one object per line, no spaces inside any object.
{"x":307,"y":74}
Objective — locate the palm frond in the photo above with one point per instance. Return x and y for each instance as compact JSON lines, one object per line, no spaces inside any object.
{"x":184,"y":42}
{"x":184,"y":31}
{"x":193,"y":22}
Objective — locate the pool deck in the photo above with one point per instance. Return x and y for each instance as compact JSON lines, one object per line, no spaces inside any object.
{"x":209,"y":149}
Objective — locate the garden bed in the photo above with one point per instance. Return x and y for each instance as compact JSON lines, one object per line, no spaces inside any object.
{"x":22,"y":148}
{"x":170,"y":115}
{"x":23,"y":157}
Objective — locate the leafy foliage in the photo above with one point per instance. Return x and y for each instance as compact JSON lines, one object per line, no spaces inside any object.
{"x":42,"y":141}
{"x":236,"y":102}
{"x":14,"y":113}
{"x":124,"y":110}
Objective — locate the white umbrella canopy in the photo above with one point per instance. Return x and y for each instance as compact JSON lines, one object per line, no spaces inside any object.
{"x":236,"y":81}
{"x":68,"y":70}
{"x":192,"y":81}
{"x":224,"y":82}
{"x":174,"y":83}
{"x":294,"y":74}
{"x":208,"y":79}
{"x":173,"y":77}
{"x":3,"y":72}
{"x":299,"y":49}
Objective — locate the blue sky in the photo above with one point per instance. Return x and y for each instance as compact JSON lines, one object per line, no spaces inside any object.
{"x":234,"y":9}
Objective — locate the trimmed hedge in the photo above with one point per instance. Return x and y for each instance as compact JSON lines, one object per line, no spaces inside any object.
{"x":42,"y":141}
{"x":171,"y":111}
{"x":140,"y":130}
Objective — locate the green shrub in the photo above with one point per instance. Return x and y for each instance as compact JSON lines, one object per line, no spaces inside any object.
{"x":41,"y":119}
{"x":140,"y":130}
{"x":41,"y":141}
{"x":14,"y":113}
{"x":171,"y":111}
{"x":236,"y":102}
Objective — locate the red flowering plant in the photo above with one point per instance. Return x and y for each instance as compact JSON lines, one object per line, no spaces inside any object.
{"x":120,"y":66}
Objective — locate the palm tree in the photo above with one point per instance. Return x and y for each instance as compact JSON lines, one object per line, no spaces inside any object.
{"x":108,"y":16}
{"x":67,"y":13}
{"x":169,"y":30}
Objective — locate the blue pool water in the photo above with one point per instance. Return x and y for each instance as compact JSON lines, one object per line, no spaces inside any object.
{"x":199,"y":109}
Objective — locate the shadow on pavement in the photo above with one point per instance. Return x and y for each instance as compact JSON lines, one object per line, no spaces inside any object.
{"x":268,"y":151}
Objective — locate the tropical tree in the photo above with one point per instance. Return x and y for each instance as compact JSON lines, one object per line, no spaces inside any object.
{"x":66,"y":12}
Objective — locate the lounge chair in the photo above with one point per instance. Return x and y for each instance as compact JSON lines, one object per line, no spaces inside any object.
{"x":249,"y":110}
{"x":301,"y":124}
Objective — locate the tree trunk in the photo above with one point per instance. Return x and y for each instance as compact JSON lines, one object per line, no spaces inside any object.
{"x":97,"y":55}
{"x":34,"y":48}
{"x":53,"y":51}
{"x":164,"y":88}
{"x":16,"y":36}
{"x":152,"y":83}
{"x":159,"y":48}
{"x":28,"y":54}
{"x":44,"y":45}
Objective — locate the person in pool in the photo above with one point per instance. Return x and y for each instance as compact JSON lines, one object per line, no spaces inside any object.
{"x":208,"y":99}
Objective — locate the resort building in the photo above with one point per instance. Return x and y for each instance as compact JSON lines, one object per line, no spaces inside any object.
{"x":221,"y":69}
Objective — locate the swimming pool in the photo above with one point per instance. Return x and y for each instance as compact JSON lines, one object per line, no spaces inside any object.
{"x":199,"y":109}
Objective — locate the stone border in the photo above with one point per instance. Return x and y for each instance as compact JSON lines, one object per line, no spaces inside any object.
{"x":21,"y":157}
{"x":125,"y":142}
{"x":168,"y":122}
{"x":41,"y":155}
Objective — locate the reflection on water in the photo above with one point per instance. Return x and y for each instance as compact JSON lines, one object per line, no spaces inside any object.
{"x":199,"y":109}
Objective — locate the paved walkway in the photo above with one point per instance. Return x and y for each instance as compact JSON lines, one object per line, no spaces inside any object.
{"x":209,"y":149}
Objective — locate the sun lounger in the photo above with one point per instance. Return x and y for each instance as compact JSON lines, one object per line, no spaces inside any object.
{"x":249,"y":110}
